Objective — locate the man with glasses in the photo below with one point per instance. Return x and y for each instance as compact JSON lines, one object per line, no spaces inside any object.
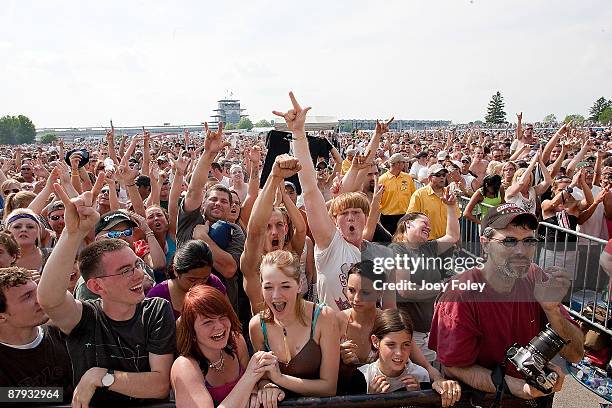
{"x":55,"y":217}
{"x":27,"y":174}
{"x":122,"y":345}
{"x":428,"y":200}
{"x":472,"y":329}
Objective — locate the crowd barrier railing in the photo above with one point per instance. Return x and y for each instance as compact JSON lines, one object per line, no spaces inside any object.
{"x":402,"y":399}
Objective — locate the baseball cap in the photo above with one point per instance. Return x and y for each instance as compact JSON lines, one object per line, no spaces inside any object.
{"x":434,"y":169}
{"x":442,"y":155}
{"x":109,"y":220}
{"x":456,"y":163}
{"x":56,"y":205}
{"x":420,"y":154}
{"x":466,"y":158}
{"x":396,"y":158}
{"x":290,"y":184}
{"x":351,"y":152}
{"x":162,"y":159}
{"x":499,"y":217}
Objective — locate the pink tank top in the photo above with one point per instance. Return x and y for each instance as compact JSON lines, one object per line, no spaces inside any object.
{"x":219,"y":393}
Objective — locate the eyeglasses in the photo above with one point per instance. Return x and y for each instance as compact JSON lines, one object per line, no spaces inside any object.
{"x":128,"y":270}
{"x":118,"y":234}
{"x":56,"y":217}
{"x":511,"y":242}
{"x":9,"y":191}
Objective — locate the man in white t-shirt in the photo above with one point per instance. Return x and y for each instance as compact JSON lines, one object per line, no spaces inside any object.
{"x":420,"y":163}
{"x":338,"y":239}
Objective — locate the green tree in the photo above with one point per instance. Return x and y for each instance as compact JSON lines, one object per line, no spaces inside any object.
{"x":245,"y":123}
{"x":48,"y":138}
{"x":550,"y":118}
{"x":605,"y":116}
{"x":229,"y":126}
{"x":16,"y":130}
{"x":495,"y":110}
{"x":578,"y":119}
{"x":598,"y":107}
{"x":263,"y":123}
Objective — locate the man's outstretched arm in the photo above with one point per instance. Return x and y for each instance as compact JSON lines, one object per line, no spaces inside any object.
{"x":321,"y":225}
{"x":58,"y":303}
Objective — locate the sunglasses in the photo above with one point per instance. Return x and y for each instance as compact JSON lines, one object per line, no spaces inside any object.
{"x":12,"y":190}
{"x":56,"y":217}
{"x":440,"y":174}
{"x":511,"y":242}
{"x":118,"y":234}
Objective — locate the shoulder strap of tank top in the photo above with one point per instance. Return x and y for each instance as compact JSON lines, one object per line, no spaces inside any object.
{"x":316,"y":311}
{"x":264,"y":330}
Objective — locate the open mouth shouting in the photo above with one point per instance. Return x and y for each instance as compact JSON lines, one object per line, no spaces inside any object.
{"x":275,"y":244}
{"x":219,"y":336}
{"x":279,"y":306}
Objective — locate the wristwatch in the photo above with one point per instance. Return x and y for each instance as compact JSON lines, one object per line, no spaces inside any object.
{"x":109,"y":378}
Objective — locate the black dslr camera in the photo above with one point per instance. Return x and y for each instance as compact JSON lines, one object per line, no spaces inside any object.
{"x":532,"y":360}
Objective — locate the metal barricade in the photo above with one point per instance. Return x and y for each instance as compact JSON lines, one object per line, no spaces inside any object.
{"x":402,"y":399}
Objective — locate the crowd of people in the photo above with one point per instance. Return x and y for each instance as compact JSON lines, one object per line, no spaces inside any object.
{"x":242,"y":275}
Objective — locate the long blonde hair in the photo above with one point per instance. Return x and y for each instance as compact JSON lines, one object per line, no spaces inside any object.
{"x":289,"y":265}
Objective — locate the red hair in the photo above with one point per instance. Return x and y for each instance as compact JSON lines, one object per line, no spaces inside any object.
{"x":204,"y":300}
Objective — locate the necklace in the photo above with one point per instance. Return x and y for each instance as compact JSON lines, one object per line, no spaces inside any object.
{"x":219,"y":364}
{"x":286,"y":344}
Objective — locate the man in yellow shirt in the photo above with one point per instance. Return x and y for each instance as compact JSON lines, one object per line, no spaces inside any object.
{"x":346,"y":164}
{"x":427,"y":201}
{"x":396,"y":196}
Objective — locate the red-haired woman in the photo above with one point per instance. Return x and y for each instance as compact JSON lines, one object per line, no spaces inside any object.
{"x":214,"y":368}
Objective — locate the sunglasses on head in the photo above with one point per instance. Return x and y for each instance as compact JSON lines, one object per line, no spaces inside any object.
{"x":118,"y":234}
{"x":11,"y":190}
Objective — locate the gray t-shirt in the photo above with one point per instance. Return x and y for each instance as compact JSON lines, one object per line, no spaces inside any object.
{"x":187,"y":221}
{"x":420,"y":311}
{"x":99,"y":341}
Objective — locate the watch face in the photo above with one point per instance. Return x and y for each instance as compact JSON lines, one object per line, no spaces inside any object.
{"x":108,"y":380}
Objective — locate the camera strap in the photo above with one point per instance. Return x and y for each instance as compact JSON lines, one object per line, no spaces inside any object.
{"x":498,"y":377}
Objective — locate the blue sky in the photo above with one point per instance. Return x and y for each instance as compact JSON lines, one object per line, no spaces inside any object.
{"x":76,"y":63}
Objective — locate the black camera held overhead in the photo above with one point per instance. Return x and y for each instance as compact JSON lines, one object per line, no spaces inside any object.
{"x":532,"y":359}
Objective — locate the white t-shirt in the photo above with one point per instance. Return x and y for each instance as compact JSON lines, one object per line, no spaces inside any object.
{"x":527,"y":204}
{"x":595,"y":225}
{"x":416,"y":167}
{"x":331,"y":281}
{"x":372,"y":370}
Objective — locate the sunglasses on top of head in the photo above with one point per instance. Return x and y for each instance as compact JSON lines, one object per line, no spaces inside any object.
{"x":118,"y":234}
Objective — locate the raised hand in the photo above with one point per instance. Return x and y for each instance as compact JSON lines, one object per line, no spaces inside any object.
{"x":550,"y":286}
{"x":80,"y":217}
{"x":180,"y":165}
{"x":75,"y":159}
{"x":448,"y":197}
{"x":519,"y":116}
{"x":383,"y":127}
{"x":285,"y":166}
{"x":213,"y":142}
{"x":126,"y":174}
{"x":296,"y":117}
{"x":254,"y":154}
